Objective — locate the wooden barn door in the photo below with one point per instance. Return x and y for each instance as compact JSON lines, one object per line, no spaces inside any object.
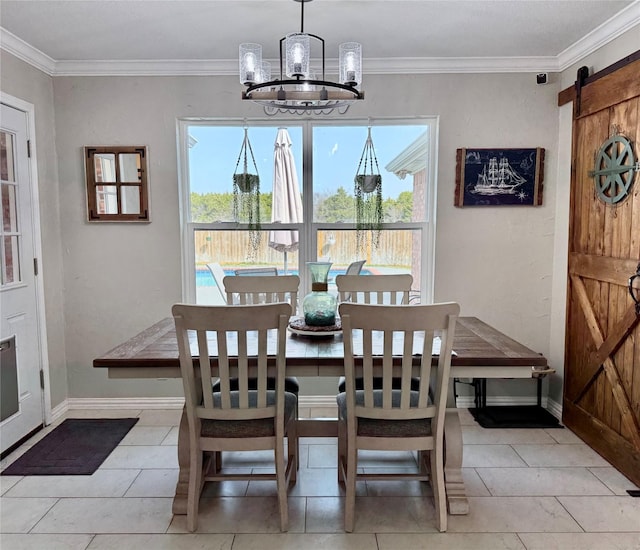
{"x":602,"y":357}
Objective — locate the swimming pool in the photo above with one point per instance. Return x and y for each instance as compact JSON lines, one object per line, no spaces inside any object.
{"x":204,"y":277}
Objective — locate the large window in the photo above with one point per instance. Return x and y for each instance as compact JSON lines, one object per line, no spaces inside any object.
{"x":323,"y":161}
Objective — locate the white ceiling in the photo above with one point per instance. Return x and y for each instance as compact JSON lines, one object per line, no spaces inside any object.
{"x":202,"y":36}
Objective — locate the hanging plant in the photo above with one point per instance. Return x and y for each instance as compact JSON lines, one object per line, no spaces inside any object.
{"x":246,"y":196}
{"x":368,"y":195}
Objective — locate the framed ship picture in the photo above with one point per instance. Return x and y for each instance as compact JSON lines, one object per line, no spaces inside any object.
{"x":499,"y":177}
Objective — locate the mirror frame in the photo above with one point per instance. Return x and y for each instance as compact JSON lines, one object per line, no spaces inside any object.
{"x":93,"y":214}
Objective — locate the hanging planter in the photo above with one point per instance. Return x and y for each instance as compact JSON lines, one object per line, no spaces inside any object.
{"x":246,"y":182}
{"x":368,"y":195}
{"x":246,"y":196}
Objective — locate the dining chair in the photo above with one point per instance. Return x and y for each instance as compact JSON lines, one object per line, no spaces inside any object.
{"x":392,"y":419}
{"x":374,"y":289}
{"x":261,"y":289}
{"x":235,"y":420}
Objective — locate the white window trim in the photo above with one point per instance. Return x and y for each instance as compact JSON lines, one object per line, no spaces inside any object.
{"x":187,"y":228}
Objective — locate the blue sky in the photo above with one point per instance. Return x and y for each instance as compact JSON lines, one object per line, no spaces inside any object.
{"x":337,"y":151}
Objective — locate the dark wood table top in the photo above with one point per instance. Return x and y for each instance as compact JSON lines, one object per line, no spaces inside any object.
{"x":476,"y":345}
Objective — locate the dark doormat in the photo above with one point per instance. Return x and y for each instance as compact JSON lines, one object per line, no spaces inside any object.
{"x":76,"y":447}
{"x":532,"y":416}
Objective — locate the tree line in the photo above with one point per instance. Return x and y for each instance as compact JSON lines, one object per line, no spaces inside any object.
{"x":338,"y":207}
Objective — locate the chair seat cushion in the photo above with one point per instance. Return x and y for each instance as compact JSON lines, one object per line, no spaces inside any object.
{"x":377,"y":384}
{"x":261,"y":427}
{"x":291,"y":384}
{"x":372,"y":427}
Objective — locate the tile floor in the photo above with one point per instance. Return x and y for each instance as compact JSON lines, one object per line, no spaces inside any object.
{"x":529,"y":489}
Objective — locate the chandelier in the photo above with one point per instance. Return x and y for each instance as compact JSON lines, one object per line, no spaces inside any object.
{"x":298,"y":89}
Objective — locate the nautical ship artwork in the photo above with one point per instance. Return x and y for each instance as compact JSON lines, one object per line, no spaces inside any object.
{"x":499,"y":177}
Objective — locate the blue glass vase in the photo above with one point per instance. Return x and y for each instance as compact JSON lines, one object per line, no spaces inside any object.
{"x":319,"y":307}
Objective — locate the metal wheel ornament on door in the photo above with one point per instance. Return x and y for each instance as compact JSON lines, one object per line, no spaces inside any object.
{"x":614,"y":170}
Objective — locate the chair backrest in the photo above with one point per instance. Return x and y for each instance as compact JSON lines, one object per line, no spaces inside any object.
{"x":374,"y":289}
{"x":263,"y":289}
{"x":218,"y":275}
{"x":238,"y":336}
{"x":378,"y":336}
{"x":257,"y":271}
{"x":355,"y":267}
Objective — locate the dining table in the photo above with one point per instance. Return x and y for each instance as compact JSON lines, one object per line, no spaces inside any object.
{"x":479,"y":352}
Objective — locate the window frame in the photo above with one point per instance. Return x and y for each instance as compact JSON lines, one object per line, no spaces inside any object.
{"x":309,"y":229}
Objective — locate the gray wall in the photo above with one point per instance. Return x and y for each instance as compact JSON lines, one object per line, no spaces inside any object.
{"x":104,"y":282}
{"x":119,"y":278}
{"x":29,"y":84}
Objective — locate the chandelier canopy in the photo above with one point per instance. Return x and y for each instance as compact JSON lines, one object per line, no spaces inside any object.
{"x":298,"y":90}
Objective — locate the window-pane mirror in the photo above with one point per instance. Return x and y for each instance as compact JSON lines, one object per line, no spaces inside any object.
{"x":124,"y":170}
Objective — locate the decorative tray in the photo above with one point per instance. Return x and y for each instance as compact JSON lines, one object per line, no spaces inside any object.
{"x":298,"y":326}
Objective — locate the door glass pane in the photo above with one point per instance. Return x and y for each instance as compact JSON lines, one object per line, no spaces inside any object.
{"x":7,"y":170}
{"x":9,"y":208}
{"x":129,"y":167}
{"x":105,"y":166}
{"x":11,"y":260}
{"x":130,"y":199}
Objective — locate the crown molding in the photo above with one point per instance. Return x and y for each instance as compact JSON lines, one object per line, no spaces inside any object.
{"x":160,"y":67}
{"x":27,"y":53}
{"x":623,"y":21}
{"x":444,"y":65}
{"x":620,"y":23}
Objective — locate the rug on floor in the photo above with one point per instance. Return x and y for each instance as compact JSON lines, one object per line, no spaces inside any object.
{"x":78,"y":446}
{"x":519,"y":416}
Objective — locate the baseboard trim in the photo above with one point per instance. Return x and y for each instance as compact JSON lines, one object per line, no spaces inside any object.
{"x":317,"y":401}
{"x":555,"y":408}
{"x":314,"y":401}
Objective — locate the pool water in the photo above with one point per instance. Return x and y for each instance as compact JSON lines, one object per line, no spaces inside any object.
{"x":204,"y":277}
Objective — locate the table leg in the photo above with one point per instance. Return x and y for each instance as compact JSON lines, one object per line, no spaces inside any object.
{"x":457,"y":501}
{"x":180,"y":498}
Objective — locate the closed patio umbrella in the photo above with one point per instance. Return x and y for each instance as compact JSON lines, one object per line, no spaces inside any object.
{"x":286,"y":203}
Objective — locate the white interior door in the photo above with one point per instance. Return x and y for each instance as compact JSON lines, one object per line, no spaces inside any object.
{"x":21,"y":402}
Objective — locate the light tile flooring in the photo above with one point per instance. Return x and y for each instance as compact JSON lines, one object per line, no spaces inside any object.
{"x":529,"y":489}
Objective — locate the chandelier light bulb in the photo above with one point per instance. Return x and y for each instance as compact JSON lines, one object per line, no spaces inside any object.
{"x":296,"y":89}
{"x":250,"y":63}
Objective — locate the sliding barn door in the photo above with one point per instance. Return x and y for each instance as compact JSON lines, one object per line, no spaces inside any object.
{"x":602,"y":368}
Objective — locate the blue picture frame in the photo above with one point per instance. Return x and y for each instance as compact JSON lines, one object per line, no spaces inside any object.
{"x":499,"y":177}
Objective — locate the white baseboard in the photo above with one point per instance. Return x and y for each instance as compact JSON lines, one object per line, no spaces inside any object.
{"x":555,"y":408}
{"x":317,"y":401}
{"x":314,"y":401}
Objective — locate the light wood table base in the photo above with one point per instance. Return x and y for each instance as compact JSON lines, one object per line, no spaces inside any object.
{"x":457,"y":501}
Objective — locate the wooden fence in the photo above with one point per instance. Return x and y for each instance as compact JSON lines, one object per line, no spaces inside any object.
{"x":231,"y":248}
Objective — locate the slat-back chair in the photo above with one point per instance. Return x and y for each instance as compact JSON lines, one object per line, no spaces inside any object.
{"x":394,"y":419}
{"x":373,"y":289}
{"x":240,"y":420}
{"x":263,"y":289}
